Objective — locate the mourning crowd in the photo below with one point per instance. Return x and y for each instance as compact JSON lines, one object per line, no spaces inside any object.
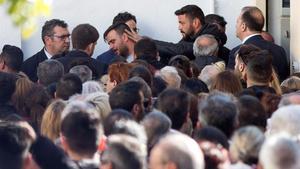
{"x":150,"y":104}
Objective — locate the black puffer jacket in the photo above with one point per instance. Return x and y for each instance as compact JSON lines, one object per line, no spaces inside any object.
{"x":185,"y":45}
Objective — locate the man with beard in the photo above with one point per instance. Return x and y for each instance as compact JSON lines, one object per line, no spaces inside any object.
{"x":56,"y":38}
{"x":191,"y":25}
{"x":119,"y":41}
{"x":110,"y":56}
{"x":243,"y":56}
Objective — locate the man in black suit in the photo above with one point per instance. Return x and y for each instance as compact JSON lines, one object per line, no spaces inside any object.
{"x":248,"y":28}
{"x":84,"y":40}
{"x":56,"y":39}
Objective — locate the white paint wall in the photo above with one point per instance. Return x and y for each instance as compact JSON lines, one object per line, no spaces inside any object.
{"x":155,"y":19}
{"x":295,"y":32}
{"x":275,"y":12}
{"x":230,"y":10}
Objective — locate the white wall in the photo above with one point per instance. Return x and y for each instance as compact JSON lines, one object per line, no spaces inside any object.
{"x":275,"y":11}
{"x":155,"y":18}
{"x":230,"y":10}
{"x":9,"y":34}
{"x":295,"y":32}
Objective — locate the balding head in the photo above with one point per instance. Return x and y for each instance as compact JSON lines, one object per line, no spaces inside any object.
{"x":253,"y":18}
{"x":168,"y":152}
{"x":205,"y":45}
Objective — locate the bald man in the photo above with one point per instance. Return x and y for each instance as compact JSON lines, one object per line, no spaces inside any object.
{"x":248,"y":29}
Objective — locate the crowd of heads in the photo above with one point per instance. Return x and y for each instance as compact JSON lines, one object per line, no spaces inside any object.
{"x":149,"y":111}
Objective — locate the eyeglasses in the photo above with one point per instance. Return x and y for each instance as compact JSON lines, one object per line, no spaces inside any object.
{"x":62,"y":37}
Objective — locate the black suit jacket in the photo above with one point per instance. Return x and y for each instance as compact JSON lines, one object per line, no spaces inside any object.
{"x":77,"y":57}
{"x":280,"y":63}
{"x":185,"y":45}
{"x":29,"y":67}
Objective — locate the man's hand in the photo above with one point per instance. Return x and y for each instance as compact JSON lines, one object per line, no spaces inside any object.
{"x":133,"y":35}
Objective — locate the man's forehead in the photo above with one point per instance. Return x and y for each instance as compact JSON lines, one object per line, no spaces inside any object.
{"x":112,"y":35}
{"x":60,"y":29}
{"x":185,"y":17}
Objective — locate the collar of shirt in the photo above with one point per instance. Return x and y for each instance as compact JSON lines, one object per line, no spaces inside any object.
{"x":47,"y":54}
{"x":129,"y":59}
{"x":248,"y":37}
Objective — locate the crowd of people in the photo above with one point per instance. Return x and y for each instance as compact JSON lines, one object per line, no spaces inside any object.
{"x":148,"y":103}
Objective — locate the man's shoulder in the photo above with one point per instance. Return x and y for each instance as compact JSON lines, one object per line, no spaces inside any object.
{"x":263,"y":44}
{"x":106,"y":56}
{"x":38,"y":57}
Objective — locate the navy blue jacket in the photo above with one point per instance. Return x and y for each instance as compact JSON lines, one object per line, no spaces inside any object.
{"x":29,"y":67}
{"x":280,"y":59}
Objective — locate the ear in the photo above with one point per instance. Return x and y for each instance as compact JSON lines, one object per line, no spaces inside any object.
{"x":244,"y":26}
{"x":241,"y":67}
{"x":2,"y":65}
{"x":196,"y":22}
{"x":47,"y":39}
{"x":136,"y":111}
{"x":125,"y":37}
{"x":198,"y":125}
{"x":64,"y":143}
{"x":134,"y":56}
{"x":115,"y":83}
{"x":90,"y":48}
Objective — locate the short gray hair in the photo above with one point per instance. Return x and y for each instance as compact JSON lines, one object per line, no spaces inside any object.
{"x":83,"y":72}
{"x":181,"y":150}
{"x":80,"y":106}
{"x":209,"y":72}
{"x":171,"y":76}
{"x":285,"y":119}
{"x":49,"y":71}
{"x":90,"y":87}
{"x":202,"y":48}
{"x":290,"y":99}
{"x":156,"y":124}
{"x":125,"y":152}
{"x":280,"y":151}
{"x":219,"y":110}
{"x":246,"y":144}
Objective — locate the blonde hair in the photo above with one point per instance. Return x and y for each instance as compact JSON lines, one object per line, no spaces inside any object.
{"x":275,"y":82}
{"x":23,"y":87}
{"x":246,"y":144}
{"x":171,"y":76}
{"x":292,"y":82}
{"x":51,"y":121}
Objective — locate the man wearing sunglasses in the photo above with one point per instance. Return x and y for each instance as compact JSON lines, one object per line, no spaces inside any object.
{"x":56,"y":39}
